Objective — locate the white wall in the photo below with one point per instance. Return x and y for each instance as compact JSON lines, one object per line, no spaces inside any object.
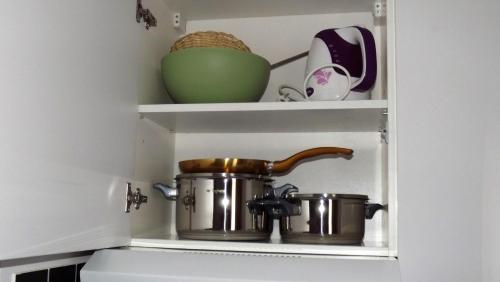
{"x":491,"y":150}
{"x":491,"y":191}
{"x":441,"y":98}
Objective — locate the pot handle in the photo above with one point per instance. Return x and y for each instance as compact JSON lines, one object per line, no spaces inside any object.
{"x":168,"y":191}
{"x":286,"y":164}
{"x":371,"y":209}
{"x":275,"y":208}
{"x":275,"y":204}
{"x":289,"y":60}
{"x":284,"y":190}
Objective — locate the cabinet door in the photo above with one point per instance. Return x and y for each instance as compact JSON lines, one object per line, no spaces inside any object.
{"x":68,"y":120}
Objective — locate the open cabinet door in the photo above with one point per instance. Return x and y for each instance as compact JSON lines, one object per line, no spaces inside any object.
{"x":69,"y":83}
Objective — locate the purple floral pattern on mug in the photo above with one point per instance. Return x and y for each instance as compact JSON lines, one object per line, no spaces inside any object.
{"x":322,"y":77}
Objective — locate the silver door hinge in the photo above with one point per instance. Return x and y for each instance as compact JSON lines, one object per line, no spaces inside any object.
{"x":144,"y":14}
{"x":134,"y":198}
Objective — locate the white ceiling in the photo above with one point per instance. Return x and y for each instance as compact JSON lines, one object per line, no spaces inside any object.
{"x":219,"y":9}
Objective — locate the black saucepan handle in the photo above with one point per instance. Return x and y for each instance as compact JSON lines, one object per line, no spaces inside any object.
{"x":275,"y":204}
{"x":275,"y":208}
{"x":371,"y":209}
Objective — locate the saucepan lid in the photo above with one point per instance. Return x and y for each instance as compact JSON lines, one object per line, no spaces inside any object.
{"x":319,"y":196}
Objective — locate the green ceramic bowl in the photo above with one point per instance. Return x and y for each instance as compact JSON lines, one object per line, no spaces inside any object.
{"x":214,"y":75}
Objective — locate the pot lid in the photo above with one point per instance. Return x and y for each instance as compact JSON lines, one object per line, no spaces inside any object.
{"x":319,"y":196}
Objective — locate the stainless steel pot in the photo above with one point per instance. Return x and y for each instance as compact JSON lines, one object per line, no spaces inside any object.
{"x":327,"y":219}
{"x":214,"y":206}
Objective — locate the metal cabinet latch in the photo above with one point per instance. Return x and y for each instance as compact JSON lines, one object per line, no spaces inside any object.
{"x":145,"y":14}
{"x":136,"y":198}
{"x":384,"y":134}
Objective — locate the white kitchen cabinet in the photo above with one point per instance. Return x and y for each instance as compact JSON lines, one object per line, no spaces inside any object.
{"x":74,"y":72}
{"x":81,"y":138}
{"x":273,"y":130}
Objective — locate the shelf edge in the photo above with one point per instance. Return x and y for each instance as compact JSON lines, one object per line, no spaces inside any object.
{"x":382,"y":251}
{"x":263,"y":106}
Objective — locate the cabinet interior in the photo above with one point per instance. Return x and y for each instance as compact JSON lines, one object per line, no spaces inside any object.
{"x":168,"y":134}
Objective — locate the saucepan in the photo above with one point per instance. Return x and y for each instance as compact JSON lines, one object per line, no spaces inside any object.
{"x":214,"y":196}
{"x":326,"y":218}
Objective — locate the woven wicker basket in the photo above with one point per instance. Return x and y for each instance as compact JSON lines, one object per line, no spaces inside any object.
{"x":209,"y":39}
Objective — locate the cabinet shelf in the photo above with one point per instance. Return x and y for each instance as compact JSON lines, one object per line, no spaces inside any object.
{"x":324,"y":116}
{"x":274,"y":247}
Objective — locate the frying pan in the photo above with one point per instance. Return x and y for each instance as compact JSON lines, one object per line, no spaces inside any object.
{"x":261,"y":167}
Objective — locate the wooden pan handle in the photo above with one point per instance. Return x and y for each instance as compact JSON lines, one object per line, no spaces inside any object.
{"x":286,"y":164}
